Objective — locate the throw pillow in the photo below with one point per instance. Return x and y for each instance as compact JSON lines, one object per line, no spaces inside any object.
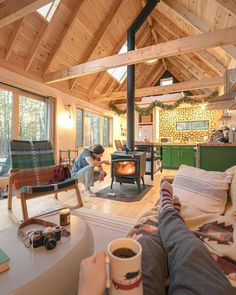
{"x":232,"y":189}
{"x":204,"y":190}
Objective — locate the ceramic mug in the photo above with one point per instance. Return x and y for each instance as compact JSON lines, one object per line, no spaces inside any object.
{"x":125,"y":276}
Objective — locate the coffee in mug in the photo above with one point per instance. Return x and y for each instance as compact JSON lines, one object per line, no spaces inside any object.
{"x":125,"y":275}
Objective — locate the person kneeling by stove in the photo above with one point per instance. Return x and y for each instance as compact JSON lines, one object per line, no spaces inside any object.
{"x":84,"y":168}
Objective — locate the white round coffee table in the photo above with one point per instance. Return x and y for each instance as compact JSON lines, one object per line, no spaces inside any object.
{"x":42,"y":272}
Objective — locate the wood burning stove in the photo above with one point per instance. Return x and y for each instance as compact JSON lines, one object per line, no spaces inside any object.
{"x":128,"y":167}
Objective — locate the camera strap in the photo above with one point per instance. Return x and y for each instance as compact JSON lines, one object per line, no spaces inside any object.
{"x":25,"y":237}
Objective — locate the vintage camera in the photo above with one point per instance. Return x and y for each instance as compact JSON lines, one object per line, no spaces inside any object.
{"x":47,"y":237}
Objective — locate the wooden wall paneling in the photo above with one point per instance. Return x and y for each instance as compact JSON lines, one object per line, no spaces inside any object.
{"x":157,"y":71}
{"x":193,"y":21}
{"x":37,"y":41}
{"x":228,"y":5}
{"x":12,"y":10}
{"x":220,"y":19}
{"x":101,"y":32}
{"x":13,"y":38}
{"x":62,"y":36}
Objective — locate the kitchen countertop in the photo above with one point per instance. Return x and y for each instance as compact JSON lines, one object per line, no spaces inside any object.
{"x":216,"y":144}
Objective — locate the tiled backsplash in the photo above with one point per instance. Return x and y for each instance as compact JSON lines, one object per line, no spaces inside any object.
{"x":168,"y":121}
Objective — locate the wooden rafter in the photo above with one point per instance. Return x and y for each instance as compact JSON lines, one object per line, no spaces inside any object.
{"x":13,"y":10}
{"x":102,"y":32}
{"x":171,"y":48}
{"x":177,"y":87}
{"x":228,"y":5}
{"x":13,"y":38}
{"x":63,"y":36}
{"x":196,"y":22}
{"x":180,"y":75}
{"x":170,"y":31}
{"x":37,"y":41}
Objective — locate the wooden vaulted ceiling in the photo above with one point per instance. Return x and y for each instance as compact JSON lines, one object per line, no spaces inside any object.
{"x":87,"y":30}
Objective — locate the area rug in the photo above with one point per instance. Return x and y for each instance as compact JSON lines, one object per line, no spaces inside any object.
{"x":125,"y":193}
{"x":105,"y":227}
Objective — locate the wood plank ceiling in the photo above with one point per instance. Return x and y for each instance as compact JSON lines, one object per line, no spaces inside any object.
{"x":86,"y":30}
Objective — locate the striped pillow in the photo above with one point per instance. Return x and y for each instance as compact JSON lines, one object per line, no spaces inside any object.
{"x":204,"y":190}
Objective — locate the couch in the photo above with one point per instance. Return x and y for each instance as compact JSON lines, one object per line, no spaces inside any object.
{"x":217,"y":231}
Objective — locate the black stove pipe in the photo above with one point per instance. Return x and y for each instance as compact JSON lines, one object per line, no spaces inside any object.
{"x":131,"y":69}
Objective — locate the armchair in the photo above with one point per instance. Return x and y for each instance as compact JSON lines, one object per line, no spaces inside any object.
{"x":32,"y":174}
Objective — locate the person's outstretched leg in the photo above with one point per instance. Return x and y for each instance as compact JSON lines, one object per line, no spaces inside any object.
{"x":192,"y":270}
{"x":154,"y":265}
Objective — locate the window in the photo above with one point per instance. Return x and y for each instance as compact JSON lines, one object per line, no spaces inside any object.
{"x":6,"y":110}
{"x":79,"y":127}
{"x":105,"y":131}
{"x":94,"y":129}
{"x":166,"y":81}
{"x":192,"y":125}
{"x":48,"y":10}
{"x":33,"y":119}
{"x":119,"y":73}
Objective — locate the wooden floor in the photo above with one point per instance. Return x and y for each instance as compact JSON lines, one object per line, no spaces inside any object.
{"x":132,"y":210}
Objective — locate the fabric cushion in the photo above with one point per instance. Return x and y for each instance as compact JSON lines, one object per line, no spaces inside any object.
{"x":232,"y":189}
{"x":204,"y":190}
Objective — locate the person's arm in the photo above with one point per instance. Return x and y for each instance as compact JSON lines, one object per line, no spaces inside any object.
{"x":92,"y":277}
{"x":96,"y":163}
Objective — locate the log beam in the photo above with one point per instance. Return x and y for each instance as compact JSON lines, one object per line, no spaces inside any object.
{"x":171,"y":48}
{"x":177,"y":87}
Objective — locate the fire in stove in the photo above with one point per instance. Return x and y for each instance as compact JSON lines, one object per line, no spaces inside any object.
{"x":124,"y":168}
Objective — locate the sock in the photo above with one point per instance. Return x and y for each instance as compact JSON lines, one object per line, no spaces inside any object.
{"x":176,"y":203}
{"x":166,"y":193}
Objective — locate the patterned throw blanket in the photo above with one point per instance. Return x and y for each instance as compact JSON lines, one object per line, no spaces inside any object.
{"x":217,"y":232}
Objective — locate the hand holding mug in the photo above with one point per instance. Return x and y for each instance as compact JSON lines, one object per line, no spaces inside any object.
{"x":92,"y":277}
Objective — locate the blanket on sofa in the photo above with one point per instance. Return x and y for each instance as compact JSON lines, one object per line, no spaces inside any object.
{"x":217,"y":232}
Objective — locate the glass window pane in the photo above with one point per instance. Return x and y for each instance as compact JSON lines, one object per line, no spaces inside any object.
{"x":33,"y":119}
{"x":79,"y":127}
{"x":6,"y":105}
{"x":183,"y":126}
{"x":105,"y":131}
{"x":200,"y":125}
{"x":92,"y":129}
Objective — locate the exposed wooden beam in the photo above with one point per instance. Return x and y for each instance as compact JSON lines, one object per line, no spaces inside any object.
{"x":196,"y":22}
{"x":12,"y":10}
{"x":13,"y":38}
{"x":177,"y":87}
{"x":63,"y":36}
{"x":228,"y":5}
{"x":170,"y":31}
{"x":102,"y":31}
{"x":171,"y":48}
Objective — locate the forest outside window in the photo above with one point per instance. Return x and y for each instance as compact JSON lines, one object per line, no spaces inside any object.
{"x":92,"y":128}
{"x":33,"y":118}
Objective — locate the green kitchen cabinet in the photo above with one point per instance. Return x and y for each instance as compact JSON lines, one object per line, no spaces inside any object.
{"x":166,"y":157}
{"x":176,"y":157}
{"x":188,"y":156}
{"x":216,"y":158}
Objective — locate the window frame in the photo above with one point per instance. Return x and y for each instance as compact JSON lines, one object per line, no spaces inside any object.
{"x":17,"y":92}
{"x":190,"y":126}
{"x":102,"y":116}
{"x":165,"y":80}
